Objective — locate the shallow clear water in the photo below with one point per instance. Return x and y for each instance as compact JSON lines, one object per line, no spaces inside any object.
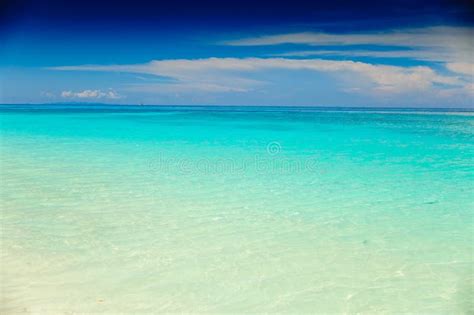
{"x":123,"y":209}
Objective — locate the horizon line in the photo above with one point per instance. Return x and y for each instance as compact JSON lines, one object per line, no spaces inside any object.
{"x":91,"y":104}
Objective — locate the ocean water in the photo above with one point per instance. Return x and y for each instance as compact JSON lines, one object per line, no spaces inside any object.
{"x":242,"y":210}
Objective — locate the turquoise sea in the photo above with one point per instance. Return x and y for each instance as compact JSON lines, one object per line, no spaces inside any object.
{"x":123,"y":209}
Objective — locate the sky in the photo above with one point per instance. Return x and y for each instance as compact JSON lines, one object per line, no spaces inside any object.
{"x":292,"y":53}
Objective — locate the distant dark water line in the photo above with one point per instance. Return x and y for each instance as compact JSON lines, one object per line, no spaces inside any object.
{"x":112,"y":108}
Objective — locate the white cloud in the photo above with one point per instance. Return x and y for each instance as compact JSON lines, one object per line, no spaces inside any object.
{"x":442,"y":43}
{"x":462,"y":68}
{"x":97,"y":94}
{"x":229,"y":74}
{"x":185,"y":87}
{"x":418,"y":37}
{"x":411,"y":54}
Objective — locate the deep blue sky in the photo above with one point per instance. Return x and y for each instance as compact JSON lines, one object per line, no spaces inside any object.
{"x":334,"y":53}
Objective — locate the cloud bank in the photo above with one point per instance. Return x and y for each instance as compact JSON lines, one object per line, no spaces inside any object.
{"x":441,"y":67}
{"x":232,"y":74}
{"x":441,"y":43}
{"x":91,"y":94}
